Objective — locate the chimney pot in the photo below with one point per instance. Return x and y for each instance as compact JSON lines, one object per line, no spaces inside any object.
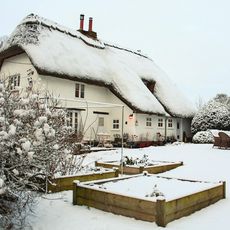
{"x":82,"y":22}
{"x":90,"y":24}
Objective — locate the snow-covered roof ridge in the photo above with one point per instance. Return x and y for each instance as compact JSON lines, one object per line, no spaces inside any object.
{"x":35,"y":19}
{"x":75,"y":56}
{"x":126,"y":49}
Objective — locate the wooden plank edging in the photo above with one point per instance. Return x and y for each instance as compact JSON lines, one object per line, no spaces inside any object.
{"x":66,"y":183}
{"x":160,"y":211}
{"x":136,"y":170}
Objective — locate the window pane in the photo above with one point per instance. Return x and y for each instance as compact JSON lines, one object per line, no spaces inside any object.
{"x":115,"y":124}
{"x":148,"y":121}
{"x":69,"y":119}
{"x":170,"y":123}
{"x":76,"y":121}
{"x":14,"y":81}
{"x":178,"y":125}
{"x":82,"y":91}
{"x":160,"y":122}
{"x":77,"y":89}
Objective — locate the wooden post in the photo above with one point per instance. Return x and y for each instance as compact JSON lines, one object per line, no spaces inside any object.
{"x":141,"y":169}
{"x":160,"y":213}
{"x":116,"y":171}
{"x":224,"y":189}
{"x":75,"y":183}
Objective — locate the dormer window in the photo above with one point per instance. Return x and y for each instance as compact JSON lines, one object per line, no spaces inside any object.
{"x":150,"y":85}
{"x":14,"y":81}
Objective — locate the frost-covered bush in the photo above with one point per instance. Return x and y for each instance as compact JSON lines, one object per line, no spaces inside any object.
{"x":34,"y":147}
{"x":214,"y":115}
{"x":203,"y":137}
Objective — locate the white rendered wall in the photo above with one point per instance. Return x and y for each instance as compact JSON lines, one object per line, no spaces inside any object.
{"x":18,"y":64}
{"x":135,"y":126}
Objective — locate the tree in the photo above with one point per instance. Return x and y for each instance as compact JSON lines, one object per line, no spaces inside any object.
{"x":214,"y":115}
{"x":34,"y":147}
{"x":223,"y":99}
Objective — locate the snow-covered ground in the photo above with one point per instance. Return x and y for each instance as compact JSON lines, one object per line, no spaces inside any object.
{"x":201,"y":162}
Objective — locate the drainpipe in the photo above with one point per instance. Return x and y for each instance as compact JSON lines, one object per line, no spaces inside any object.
{"x":122,"y":140}
{"x":166,"y":128}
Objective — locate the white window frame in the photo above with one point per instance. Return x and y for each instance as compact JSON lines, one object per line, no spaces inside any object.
{"x":14,"y":81}
{"x":116,"y":123}
{"x":80,"y":93}
{"x":148,"y":122}
{"x":73,"y":120}
{"x":160,"y":122}
{"x":170,"y":123}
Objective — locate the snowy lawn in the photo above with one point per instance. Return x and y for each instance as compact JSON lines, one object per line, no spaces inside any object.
{"x":201,"y":162}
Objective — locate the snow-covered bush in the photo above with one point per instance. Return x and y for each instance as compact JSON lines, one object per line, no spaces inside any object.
{"x":203,"y":137}
{"x":34,"y":147}
{"x":223,"y":99}
{"x":214,"y":115}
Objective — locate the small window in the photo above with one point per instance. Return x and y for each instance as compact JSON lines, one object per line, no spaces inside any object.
{"x":160,"y":122}
{"x":14,"y":81}
{"x":101,"y":121}
{"x":79,"y":90}
{"x":170,"y":123}
{"x":178,"y":125}
{"x":148,"y":121}
{"x":115,"y":124}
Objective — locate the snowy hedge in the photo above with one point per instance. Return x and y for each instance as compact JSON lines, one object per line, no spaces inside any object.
{"x":214,"y":115}
{"x":203,"y":137}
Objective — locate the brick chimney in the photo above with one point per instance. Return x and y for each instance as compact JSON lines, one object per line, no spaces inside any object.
{"x":90,"y":33}
{"x":90,"y":24}
{"x":81,"y":22}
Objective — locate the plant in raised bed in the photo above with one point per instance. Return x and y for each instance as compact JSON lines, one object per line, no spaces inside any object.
{"x":155,"y":193}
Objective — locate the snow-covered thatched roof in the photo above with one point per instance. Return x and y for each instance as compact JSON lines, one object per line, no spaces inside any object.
{"x":58,"y":51}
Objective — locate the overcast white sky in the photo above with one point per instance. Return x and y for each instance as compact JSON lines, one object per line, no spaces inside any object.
{"x":188,"y":39}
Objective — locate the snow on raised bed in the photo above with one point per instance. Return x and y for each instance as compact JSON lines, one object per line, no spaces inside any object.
{"x":150,"y":187}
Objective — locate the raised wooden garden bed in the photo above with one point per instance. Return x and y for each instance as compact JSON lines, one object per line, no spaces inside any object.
{"x":158,"y":167}
{"x":66,"y":182}
{"x":160,"y":209}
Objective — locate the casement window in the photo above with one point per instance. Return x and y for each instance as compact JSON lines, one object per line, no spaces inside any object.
{"x":72,"y":120}
{"x":79,"y":90}
{"x":170,"y":123}
{"x":160,"y":122}
{"x":14,"y":81}
{"x":115,"y":124}
{"x":148,"y":121}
